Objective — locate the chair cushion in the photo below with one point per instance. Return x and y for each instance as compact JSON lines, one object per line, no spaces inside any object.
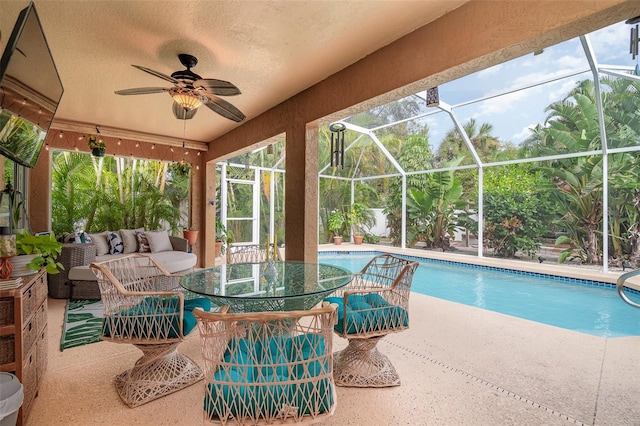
{"x":100,"y":241}
{"x":159,"y":241}
{"x":154,"y":318}
{"x":368,"y":313}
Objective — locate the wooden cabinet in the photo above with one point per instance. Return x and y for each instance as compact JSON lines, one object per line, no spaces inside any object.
{"x":23,"y":336}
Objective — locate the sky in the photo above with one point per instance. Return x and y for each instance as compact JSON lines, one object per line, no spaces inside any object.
{"x":513,"y":114}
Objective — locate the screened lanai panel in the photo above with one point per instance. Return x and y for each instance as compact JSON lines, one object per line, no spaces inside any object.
{"x":551,"y":62}
{"x":541,"y":120}
{"x":621,"y":109}
{"x":624,"y":205}
{"x":392,"y":112}
{"x":611,"y":46}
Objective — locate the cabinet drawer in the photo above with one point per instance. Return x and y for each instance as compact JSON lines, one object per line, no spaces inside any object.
{"x":29,"y":302}
{"x":42,"y":352}
{"x":42,"y":290}
{"x":41,"y":316}
{"x":7,"y":349}
{"x":29,"y":383}
{"x":29,"y":335}
{"x":6,"y":310}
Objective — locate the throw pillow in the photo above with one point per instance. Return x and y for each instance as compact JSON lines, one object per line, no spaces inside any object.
{"x":115,"y":242}
{"x":143,"y":242}
{"x":159,"y":241}
{"x":100,"y":241}
{"x":130,"y":240}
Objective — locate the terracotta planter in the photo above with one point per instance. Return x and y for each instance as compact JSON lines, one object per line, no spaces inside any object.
{"x":337,"y":240}
{"x":190,"y":235}
{"x":217,"y":248}
{"x":358,"y":239}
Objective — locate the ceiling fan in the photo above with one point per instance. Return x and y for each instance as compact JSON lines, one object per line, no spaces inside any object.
{"x":190,"y":91}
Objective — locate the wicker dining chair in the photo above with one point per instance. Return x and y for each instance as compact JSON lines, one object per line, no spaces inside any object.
{"x":374,"y":304}
{"x":249,"y":253}
{"x":143,"y":306}
{"x":268,"y":367}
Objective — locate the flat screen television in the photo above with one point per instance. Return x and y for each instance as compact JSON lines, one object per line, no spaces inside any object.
{"x":30,"y":90}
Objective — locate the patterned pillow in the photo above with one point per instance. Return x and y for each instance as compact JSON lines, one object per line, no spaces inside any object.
{"x":143,"y":243}
{"x":115,"y":243}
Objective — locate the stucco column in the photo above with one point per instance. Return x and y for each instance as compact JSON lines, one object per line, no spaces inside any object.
{"x":207,"y":256}
{"x":301,"y":195}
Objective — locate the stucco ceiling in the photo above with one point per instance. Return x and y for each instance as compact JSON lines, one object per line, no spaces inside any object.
{"x":270,"y":50}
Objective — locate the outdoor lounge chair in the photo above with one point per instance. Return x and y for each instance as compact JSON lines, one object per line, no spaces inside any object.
{"x":268,"y":367}
{"x":374,"y":304}
{"x":250,"y":253}
{"x":143,"y":306}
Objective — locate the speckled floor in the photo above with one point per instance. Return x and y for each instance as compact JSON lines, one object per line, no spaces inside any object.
{"x":459,"y":365}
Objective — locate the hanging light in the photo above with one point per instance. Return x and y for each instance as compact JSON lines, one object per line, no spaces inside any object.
{"x":186,"y":99}
{"x":337,"y":144}
{"x":181,"y":113}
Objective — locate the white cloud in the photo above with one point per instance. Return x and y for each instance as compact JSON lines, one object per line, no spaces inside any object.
{"x":523,"y":134}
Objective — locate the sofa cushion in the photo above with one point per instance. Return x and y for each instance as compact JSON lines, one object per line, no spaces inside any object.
{"x":175,"y":261}
{"x":129,"y":240}
{"x":100,"y":241}
{"x":115,"y":242}
{"x":159,"y":241}
{"x":172,"y":261}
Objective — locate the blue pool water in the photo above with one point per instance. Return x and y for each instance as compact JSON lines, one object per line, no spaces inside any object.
{"x":579,"y":305}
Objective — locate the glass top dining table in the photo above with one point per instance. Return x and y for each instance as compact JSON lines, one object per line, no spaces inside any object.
{"x":267,"y":286}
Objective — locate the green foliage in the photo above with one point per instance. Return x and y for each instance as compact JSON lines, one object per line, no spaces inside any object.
{"x":435,"y":207}
{"x":45,"y":247}
{"x":337,"y":222}
{"x":115,"y":193}
{"x":358,"y":216}
{"x":517,"y":208}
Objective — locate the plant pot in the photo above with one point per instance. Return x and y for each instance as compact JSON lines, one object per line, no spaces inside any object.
{"x":357,"y":239}
{"x":97,"y":152}
{"x":20,"y":265}
{"x":217,"y":249}
{"x":337,"y":240}
{"x":190,"y":235}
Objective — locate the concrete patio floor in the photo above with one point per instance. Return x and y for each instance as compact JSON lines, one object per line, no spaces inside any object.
{"x":459,"y":365}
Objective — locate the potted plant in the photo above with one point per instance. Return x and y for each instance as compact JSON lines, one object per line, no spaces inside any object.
{"x":190,"y":234}
{"x":357,"y":217}
{"x":97,"y":146}
{"x":336,"y":224}
{"x":36,"y":252}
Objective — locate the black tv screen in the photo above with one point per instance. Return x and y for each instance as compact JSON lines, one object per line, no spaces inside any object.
{"x":30,"y":90}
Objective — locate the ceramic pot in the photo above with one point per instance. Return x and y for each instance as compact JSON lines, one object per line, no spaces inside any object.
{"x":190,"y":235}
{"x":20,"y":265}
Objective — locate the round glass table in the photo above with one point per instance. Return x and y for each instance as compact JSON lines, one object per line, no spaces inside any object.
{"x":267,"y":286}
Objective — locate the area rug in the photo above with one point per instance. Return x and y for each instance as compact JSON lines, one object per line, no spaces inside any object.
{"x":82,"y":323}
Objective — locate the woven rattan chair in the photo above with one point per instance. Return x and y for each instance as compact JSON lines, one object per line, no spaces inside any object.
{"x":249,"y":253}
{"x":268,"y":367}
{"x":143,"y":306}
{"x":374,"y":304}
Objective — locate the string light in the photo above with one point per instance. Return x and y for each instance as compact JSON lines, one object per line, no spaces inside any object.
{"x":119,"y":142}
{"x":153,"y":146}
{"x":137,"y":144}
{"x":61,"y":134}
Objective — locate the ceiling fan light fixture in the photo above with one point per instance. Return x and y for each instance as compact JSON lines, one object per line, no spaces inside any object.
{"x":186,"y":100}
{"x":181,"y":113}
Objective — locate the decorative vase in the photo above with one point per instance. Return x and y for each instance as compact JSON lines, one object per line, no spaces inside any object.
{"x":97,"y":152}
{"x":190,"y":235}
{"x":20,"y":265}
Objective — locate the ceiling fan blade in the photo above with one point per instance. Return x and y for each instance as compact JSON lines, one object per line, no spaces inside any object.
{"x":141,"y":91}
{"x":217,"y":87}
{"x":224,"y":108}
{"x":157,"y":74}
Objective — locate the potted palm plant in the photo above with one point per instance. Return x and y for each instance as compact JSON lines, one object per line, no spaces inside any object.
{"x":358,"y":217}
{"x":97,"y":146}
{"x":336,"y":225}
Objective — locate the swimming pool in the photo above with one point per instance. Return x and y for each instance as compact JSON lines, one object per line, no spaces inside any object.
{"x":579,"y":305}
